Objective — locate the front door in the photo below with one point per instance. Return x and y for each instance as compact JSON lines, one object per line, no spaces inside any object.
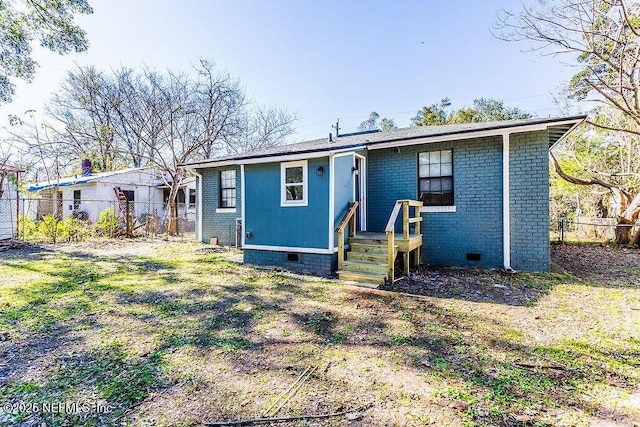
{"x":360,"y":191}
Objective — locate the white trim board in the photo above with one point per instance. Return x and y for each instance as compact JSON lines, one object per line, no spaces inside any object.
{"x":363,"y":190}
{"x":284,"y":202}
{"x":436,"y":209}
{"x":289,"y":249}
{"x":506,"y":203}
{"x":199,"y":209}
{"x":332,"y":202}
{"x":242,"y":206}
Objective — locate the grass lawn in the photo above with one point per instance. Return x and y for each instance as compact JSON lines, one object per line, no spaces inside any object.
{"x":151,"y":333}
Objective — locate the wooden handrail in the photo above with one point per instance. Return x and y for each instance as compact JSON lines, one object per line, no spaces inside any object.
{"x":407,"y":220}
{"x":417,"y":203}
{"x":392,"y":218}
{"x":348,"y":218}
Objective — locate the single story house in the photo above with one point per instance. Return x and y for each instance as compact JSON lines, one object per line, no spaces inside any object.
{"x":89,"y":194}
{"x":9,"y":200}
{"x":458,"y":195}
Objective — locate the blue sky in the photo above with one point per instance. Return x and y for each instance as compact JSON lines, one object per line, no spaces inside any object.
{"x":321,"y":59}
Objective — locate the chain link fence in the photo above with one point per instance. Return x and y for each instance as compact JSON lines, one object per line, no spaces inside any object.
{"x":583,"y":229}
{"x":57,"y":219}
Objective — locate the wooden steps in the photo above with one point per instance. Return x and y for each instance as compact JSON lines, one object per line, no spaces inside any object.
{"x":372,"y":255}
{"x":367,"y":262}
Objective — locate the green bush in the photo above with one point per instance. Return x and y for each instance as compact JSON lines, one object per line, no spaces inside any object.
{"x":48,"y":228}
{"x":27,"y":228}
{"x":108,"y":222}
{"x":72,"y":229}
{"x":52,"y":229}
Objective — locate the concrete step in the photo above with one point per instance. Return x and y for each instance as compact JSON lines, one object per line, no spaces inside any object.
{"x":365,"y":267}
{"x":367,"y":256}
{"x":361,"y":277}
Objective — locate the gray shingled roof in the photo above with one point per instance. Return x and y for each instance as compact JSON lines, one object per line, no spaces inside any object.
{"x":557,"y":126}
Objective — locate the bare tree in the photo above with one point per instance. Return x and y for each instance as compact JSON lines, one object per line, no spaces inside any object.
{"x":33,"y":141}
{"x":603,"y":38}
{"x":3,"y":173}
{"x":83,"y":109}
{"x":601,"y":35}
{"x":161,"y":119}
{"x":261,"y":128}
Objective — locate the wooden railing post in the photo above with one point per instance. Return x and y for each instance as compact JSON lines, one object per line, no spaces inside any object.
{"x":405,"y":219}
{"x":418,"y":214}
{"x":347,"y":220}
{"x":352,"y":225}
{"x":340,"y":248}
{"x":390,"y":255}
{"x":405,"y":234}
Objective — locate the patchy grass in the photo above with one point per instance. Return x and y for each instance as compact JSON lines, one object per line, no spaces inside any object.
{"x":169,"y":333}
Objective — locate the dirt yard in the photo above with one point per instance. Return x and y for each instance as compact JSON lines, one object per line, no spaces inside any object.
{"x":155,"y":333}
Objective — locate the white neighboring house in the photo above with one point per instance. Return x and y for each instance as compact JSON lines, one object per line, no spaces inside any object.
{"x":9,"y":197}
{"x":91,"y":193}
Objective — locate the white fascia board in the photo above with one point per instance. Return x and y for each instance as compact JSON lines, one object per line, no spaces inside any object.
{"x":292,"y":157}
{"x":331,"y":200}
{"x":344,"y":154}
{"x":288,"y":249}
{"x":469,"y":135}
{"x":210,"y":165}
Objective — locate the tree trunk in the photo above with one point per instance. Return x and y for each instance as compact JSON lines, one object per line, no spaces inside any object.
{"x":171,"y":228}
{"x":635,"y":241}
{"x":623,"y":231}
{"x":627,"y":205}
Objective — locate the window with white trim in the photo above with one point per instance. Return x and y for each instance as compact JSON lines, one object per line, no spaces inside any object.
{"x":294,"y":183}
{"x":435,"y":178}
{"x":228,"y":188}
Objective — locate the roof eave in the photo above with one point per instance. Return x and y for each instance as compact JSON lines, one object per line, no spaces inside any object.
{"x":475,"y":133}
{"x":275,"y":157}
{"x":540,"y":124}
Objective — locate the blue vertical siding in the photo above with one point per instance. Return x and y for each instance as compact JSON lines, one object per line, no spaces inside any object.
{"x":273,"y":225}
{"x":343,"y":187}
{"x":392,"y":174}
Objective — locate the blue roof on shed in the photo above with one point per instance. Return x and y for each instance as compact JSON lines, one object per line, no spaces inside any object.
{"x":75,"y":180}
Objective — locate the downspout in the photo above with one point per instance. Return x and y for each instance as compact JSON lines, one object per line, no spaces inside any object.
{"x":199,"y":212}
{"x":506,"y":207}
